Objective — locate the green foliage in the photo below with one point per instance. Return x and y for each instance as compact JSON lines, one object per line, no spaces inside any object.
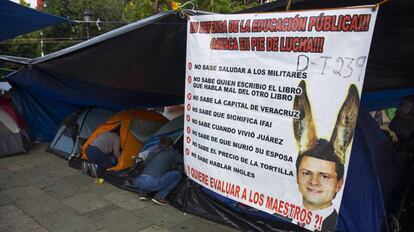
{"x":110,"y":12}
{"x":27,"y":46}
{"x":224,"y":6}
{"x":139,"y":9}
{"x":23,"y":46}
{"x":135,"y":10}
{"x":24,"y":3}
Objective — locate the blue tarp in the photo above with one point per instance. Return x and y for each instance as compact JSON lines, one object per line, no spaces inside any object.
{"x":17,"y":20}
{"x":384,"y":99}
{"x":42,"y":114}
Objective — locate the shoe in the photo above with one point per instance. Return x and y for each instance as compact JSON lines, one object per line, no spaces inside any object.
{"x":84,"y":168}
{"x":94,"y":170}
{"x":160,"y":200}
{"x":144,"y":196}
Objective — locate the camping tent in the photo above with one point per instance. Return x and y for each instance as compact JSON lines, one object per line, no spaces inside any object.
{"x":76,"y":129}
{"x":17,"y":20}
{"x":172,"y":129}
{"x":146,"y":122}
{"x":13,"y":138}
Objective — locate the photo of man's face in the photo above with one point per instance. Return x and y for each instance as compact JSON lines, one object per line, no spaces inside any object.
{"x":318,"y":182}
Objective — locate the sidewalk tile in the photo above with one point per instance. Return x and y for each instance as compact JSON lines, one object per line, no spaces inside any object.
{"x":4,"y":200}
{"x":200,"y":225}
{"x":79,"y":179}
{"x":27,"y":162}
{"x":119,"y":221}
{"x":165,"y":216}
{"x":13,"y":219}
{"x":126,"y":200}
{"x":100,"y":189}
{"x":83,"y":203}
{"x":9,"y":179}
{"x":61,"y":191}
{"x":67,"y":220}
{"x":22,"y":192}
{"x":43,"y":182}
{"x":154,"y":228}
{"x":39,"y":204}
{"x":64,"y":171}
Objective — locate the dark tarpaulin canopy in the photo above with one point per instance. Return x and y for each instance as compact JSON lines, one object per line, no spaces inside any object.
{"x":17,"y":20}
{"x":141,"y":64}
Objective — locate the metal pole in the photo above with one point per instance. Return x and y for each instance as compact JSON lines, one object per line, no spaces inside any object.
{"x":87,"y":31}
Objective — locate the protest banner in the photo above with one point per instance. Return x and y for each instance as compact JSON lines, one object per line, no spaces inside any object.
{"x":271,"y":107}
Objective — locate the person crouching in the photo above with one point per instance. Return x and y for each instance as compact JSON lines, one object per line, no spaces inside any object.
{"x":104,"y":152}
{"x":158,"y":175}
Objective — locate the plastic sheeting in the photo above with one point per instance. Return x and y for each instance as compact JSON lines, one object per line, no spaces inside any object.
{"x":42,"y":114}
{"x":17,"y":20}
{"x":384,"y":99}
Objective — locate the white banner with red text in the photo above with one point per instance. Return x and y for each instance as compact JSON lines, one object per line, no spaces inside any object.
{"x":271,"y":105}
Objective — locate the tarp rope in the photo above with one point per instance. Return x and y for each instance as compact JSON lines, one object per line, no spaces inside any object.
{"x":380,"y":3}
{"x":288,"y":5}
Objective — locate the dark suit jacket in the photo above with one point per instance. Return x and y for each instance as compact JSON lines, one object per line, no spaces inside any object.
{"x":329,"y":223}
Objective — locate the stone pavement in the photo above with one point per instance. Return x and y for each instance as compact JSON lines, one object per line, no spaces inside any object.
{"x":39,"y":192}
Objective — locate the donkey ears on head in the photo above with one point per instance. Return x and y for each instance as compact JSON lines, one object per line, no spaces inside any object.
{"x":304,"y":127}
